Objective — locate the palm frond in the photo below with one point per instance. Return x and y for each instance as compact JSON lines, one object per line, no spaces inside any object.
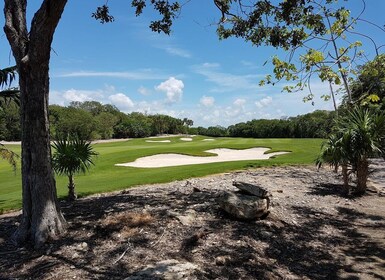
{"x":72,"y":155}
{"x":9,"y":156}
{"x":7,"y":75}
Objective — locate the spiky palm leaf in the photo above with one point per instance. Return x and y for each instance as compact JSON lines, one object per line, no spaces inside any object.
{"x":365,"y":132}
{"x":7,"y":76}
{"x":72,"y":155}
{"x":357,"y":136}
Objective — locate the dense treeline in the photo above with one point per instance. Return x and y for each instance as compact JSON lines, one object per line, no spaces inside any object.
{"x":313,"y":125}
{"x":93,"y":120}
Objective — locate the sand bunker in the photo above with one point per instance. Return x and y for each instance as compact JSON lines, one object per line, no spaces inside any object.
{"x":223,"y":155}
{"x":158,"y":141}
{"x":186,"y":139}
{"x":207,"y":139}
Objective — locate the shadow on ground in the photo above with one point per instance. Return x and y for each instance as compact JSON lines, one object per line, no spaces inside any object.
{"x":345,"y":244}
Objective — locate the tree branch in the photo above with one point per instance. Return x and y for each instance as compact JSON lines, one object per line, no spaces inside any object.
{"x":15,"y":27}
{"x":44,"y":24}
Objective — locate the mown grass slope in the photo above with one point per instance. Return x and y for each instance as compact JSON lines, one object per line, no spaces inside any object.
{"x":105,"y":177}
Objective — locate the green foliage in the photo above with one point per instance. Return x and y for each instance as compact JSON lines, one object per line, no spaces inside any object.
{"x":134,"y":125}
{"x":168,"y":11}
{"x":216,"y":131}
{"x":92,"y":120}
{"x":357,"y":136}
{"x":8,"y":155}
{"x":368,"y":89}
{"x":281,"y":25}
{"x":7,"y":76}
{"x":315,"y":34}
{"x":9,"y":99}
{"x":365,"y":133}
{"x":72,"y":121}
{"x":313,"y":125}
{"x":10,"y":129}
{"x":105,"y":123}
{"x":72,"y":155}
{"x":334,"y":151}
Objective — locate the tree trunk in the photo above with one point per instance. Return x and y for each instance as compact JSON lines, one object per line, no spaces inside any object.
{"x":41,"y":219}
{"x":71,"y":189}
{"x":362,"y":176}
{"x":345,"y":177}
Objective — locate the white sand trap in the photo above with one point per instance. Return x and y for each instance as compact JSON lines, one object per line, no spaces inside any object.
{"x":158,"y":141}
{"x":207,"y":139}
{"x":185,"y":139}
{"x":223,"y":155}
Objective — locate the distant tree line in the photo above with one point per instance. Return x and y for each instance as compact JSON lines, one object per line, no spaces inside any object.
{"x":313,"y":125}
{"x":92,"y":120}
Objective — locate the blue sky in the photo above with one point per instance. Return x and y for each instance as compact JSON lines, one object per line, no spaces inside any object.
{"x":188,"y":74}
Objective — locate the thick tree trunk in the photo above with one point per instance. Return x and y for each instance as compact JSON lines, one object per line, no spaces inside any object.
{"x":41,"y":219}
{"x":71,"y":189}
{"x":362,"y":176}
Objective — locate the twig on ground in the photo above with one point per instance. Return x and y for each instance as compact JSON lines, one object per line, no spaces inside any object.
{"x":125,"y":251}
{"x":14,"y":251}
{"x":160,"y":238}
{"x":48,"y":265}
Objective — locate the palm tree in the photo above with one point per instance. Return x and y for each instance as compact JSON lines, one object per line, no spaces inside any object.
{"x":366,"y":132}
{"x":334,"y":152}
{"x":357,"y":136}
{"x":72,"y":155}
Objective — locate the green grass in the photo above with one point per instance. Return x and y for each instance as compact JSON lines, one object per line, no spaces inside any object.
{"x":105,"y":177}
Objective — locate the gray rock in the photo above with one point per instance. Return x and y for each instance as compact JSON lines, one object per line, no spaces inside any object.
{"x":222,"y":260}
{"x":265,"y":234}
{"x":167,"y":270}
{"x":251,"y":189}
{"x":241,"y":206}
{"x":187,"y":219}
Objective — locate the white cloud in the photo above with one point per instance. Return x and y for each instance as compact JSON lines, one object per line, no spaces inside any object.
{"x":207,"y":101}
{"x":264,"y":102}
{"x":75,"y":95}
{"x":144,"y":91}
{"x":178,"y":52}
{"x":141,"y":74}
{"x":210,"y":65}
{"x":239,"y":102}
{"x":105,"y":95}
{"x":173,"y":89}
{"x":227,"y":82}
{"x":121,"y":101}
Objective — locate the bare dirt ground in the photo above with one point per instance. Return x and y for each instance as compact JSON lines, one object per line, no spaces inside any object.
{"x":312,"y":232}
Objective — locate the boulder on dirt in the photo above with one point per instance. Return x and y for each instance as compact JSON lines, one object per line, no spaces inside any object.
{"x":245,"y":207}
{"x":167,"y":270}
